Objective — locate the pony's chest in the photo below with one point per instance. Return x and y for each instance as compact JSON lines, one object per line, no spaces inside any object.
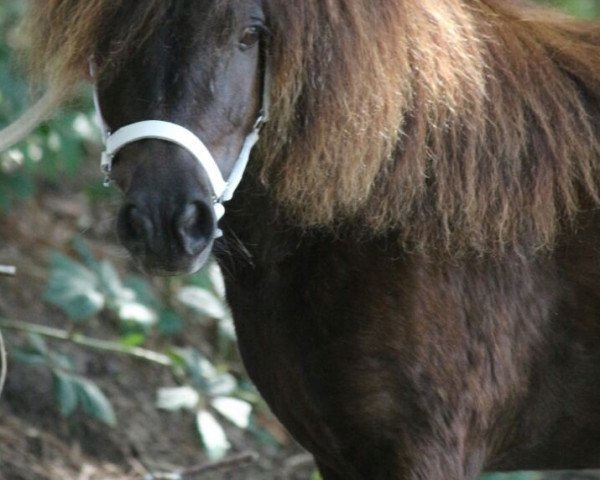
{"x":299,"y":324}
{"x":286,"y":324}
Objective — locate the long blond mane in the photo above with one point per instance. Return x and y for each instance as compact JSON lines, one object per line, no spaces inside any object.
{"x":462,"y":125}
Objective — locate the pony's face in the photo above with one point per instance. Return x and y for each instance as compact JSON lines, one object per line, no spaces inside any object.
{"x":201,"y":69}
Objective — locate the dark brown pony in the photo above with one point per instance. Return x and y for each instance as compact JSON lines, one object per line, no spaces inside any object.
{"x":413,"y":257}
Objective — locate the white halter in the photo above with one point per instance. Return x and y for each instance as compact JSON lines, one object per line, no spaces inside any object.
{"x":171,"y":132}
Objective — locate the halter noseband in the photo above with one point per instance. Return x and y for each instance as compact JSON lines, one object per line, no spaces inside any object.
{"x":222,"y":189}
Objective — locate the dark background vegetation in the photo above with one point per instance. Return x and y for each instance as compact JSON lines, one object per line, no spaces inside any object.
{"x":114,"y":375}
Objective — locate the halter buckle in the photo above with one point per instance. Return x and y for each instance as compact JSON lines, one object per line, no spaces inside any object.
{"x":260,"y":121}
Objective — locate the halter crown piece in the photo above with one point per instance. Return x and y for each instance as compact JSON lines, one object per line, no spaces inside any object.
{"x":223,"y":190}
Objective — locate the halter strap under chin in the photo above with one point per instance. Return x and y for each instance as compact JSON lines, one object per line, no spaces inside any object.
{"x":222,"y":189}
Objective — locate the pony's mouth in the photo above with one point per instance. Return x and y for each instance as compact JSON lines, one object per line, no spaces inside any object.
{"x":168,"y":267}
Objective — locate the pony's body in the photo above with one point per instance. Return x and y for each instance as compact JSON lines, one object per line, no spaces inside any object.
{"x":412,"y":258}
{"x":391,"y":366}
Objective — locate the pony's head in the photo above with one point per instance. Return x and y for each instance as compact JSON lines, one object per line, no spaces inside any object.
{"x":180,"y":117}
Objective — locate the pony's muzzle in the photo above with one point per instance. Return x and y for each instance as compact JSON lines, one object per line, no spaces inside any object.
{"x":167,"y":239}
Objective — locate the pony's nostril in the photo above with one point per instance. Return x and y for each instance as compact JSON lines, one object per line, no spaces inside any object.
{"x":195,"y":226}
{"x":134,"y":225}
{"x":189,"y":218}
{"x":140,"y":224}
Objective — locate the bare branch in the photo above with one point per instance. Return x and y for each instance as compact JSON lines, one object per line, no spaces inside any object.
{"x":7,"y":271}
{"x":78,"y":339}
{"x":3,"y":364}
{"x":236,"y":461}
{"x":29,"y":121}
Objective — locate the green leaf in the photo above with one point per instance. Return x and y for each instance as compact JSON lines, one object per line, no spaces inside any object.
{"x":133,"y":339}
{"x":37,"y":343}
{"x":177,"y":398}
{"x":94,"y":402}
{"x":5,"y":202}
{"x":65,"y":393}
{"x":20,"y":186}
{"x":179,"y":357}
{"x":28,"y":357}
{"x":111,"y":283}
{"x":170,"y":322}
{"x":143,"y":292}
{"x":85,"y":127}
{"x":64,"y":362}
{"x":137,"y":313}
{"x":316,"y":476}
{"x":216,"y":279}
{"x":512,"y":476}
{"x":201,"y":278}
{"x":73,"y":288}
{"x":205,"y":375}
{"x":582,"y":8}
{"x":212,"y":435}
{"x":233,"y":409}
{"x":199,"y":367}
{"x":85,"y":253}
{"x":203,"y":302}
{"x":227,"y":329}
{"x":219,"y":385}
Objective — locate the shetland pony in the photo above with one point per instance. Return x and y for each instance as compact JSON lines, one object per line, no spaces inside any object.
{"x":412,"y":257}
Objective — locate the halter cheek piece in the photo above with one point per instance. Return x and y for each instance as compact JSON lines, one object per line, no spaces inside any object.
{"x":222,"y":189}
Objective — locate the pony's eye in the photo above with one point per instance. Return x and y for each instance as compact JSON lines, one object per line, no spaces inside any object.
{"x":250,"y":36}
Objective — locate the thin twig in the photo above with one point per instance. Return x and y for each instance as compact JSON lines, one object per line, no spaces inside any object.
{"x":7,"y":271}
{"x":29,"y":121}
{"x":235,"y":461}
{"x":4,"y":364}
{"x":297,"y":462}
{"x":96,"y":344}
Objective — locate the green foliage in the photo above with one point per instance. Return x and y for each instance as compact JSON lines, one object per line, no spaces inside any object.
{"x":82,"y":290}
{"x":210,"y":395}
{"x":71,"y":391}
{"x":65,"y":393}
{"x":74,"y":288}
{"x":56,"y":148}
{"x":512,"y":476}
{"x":93,"y":401}
{"x":85,"y":287}
{"x":581,"y":8}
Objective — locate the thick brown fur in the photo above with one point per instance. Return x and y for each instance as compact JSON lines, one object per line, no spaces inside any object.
{"x":467,"y":125}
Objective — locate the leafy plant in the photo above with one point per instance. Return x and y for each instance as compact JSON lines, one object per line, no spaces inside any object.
{"x":82,"y":290}
{"x":512,"y":476}
{"x":71,"y":391}
{"x":55,"y":149}
{"x":210,"y":395}
{"x":85,"y":287}
{"x":581,"y":8}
